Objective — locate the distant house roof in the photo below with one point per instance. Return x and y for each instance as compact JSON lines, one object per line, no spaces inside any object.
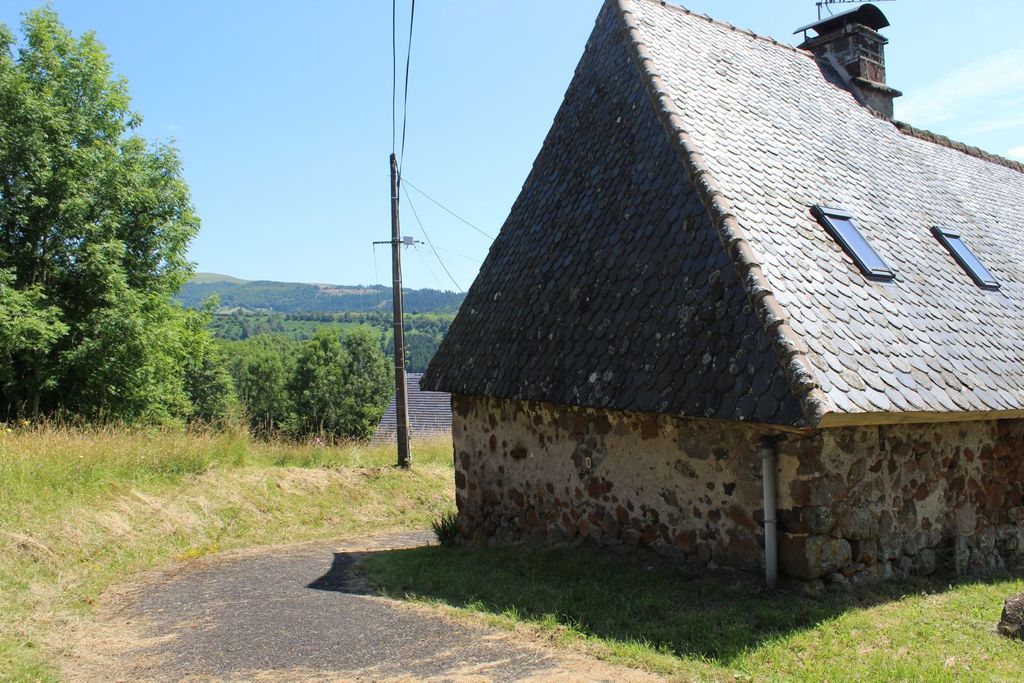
{"x":663,"y":255}
{"x":430,"y":412}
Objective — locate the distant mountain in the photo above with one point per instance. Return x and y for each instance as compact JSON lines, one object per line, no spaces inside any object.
{"x":207,"y":278}
{"x":295,"y":297}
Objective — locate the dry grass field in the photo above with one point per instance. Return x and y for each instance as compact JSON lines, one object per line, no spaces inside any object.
{"x":81,"y":510}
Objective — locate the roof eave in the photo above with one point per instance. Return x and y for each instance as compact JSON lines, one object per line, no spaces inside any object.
{"x":833,"y":420}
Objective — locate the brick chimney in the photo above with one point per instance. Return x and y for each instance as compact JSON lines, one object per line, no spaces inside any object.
{"x":851,"y":44}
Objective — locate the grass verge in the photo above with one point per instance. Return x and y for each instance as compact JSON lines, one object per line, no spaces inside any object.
{"x":81,"y":510}
{"x":645,"y":613}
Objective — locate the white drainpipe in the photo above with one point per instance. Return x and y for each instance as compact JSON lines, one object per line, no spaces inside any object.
{"x":769,"y":470}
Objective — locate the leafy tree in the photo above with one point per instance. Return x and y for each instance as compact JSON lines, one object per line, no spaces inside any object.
{"x":420,"y":347}
{"x":319,"y":385}
{"x":337,"y":383}
{"x":210,"y":388}
{"x":340,"y":389}
{"x":29,"y":328}
{"x":371,"y":383}
{"x":94,"y":226}
{"x":128,"y":356}
{"x":262,"y":368}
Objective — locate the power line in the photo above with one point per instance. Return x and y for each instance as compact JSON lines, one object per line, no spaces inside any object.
{"x":376,"y":280}
{"x":431,"y":244}
{"x":406,"y":182}
{"x":401,"y":397}
{"x":394,"y":71}
{"x":455,"y":253}
{"x":429,"y":269}
{"x":405,"y":97}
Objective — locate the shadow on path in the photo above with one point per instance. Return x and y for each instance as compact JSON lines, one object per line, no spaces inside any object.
{"x":341,"y":577}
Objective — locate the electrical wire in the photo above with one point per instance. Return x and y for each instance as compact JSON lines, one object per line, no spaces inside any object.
{"x":431,"y":244}
{"x":426,"y":265}
{"x":455,"y":253}
{"x":405,"y":97}
{"x":394,"y":71}
{"x":376,"y":280}
{"x":406,"y":182}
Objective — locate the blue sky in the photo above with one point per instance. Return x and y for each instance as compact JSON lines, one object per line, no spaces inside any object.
{"x":282,"y":111}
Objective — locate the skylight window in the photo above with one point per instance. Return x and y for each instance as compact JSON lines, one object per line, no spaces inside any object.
{"x":965,"y":257}
{"x":840,"y":225}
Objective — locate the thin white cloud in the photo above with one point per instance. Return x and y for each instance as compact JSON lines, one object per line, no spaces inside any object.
{"x":984,"y":95}
{"x":1016,"y":153}
{"x":1014,"y":120}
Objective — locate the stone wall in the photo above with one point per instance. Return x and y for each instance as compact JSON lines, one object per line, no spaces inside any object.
{"x":855,"y":503}
{"x":873,"y":502}
{"x":534,"y":470}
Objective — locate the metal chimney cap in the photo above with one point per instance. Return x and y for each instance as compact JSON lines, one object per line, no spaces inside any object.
{"x":867,"y":15}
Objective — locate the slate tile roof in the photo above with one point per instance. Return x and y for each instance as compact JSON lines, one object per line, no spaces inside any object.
{"x":430,"y":412}
{"x":608,"y":285}
{"x":605,"y":287}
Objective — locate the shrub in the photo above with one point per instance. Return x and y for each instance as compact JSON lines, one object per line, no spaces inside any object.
{"x":446,"y":528}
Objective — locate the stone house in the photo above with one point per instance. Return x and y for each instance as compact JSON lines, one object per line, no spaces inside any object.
{"x":741,"y":316}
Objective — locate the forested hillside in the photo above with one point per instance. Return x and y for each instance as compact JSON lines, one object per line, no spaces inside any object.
{"x":423,"y":331}
{"x":294,"y":297}
{"x":294,"y":312}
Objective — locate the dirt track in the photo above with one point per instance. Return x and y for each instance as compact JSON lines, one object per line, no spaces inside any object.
{"x":299,"y":613}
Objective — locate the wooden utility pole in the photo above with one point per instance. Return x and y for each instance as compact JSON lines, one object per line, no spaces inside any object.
{"x":401,"y":400}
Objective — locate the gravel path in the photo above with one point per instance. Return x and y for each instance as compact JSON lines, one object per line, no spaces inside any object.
{"x":299,"y":613}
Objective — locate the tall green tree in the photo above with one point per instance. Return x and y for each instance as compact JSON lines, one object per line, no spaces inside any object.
{"x":340,"y":389}
{"x":29,"y":327}
{"x":318,"y":386}
{"x":94,"y":227}
{"x":370,"y":383}
{"x":262,"y":368}
{"x":208,"y":381}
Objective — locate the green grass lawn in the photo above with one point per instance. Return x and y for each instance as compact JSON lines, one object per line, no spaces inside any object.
{"x":82,"y":510}
{"x":643,"y":612}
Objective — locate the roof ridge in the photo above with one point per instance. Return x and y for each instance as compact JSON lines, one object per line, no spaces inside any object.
{"x":903,"y":126}
{"x":725,"y":24}
{"x":969,"y":150}
{"x":790,"y":350}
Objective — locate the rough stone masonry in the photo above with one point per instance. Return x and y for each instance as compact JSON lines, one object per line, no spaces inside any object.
{"x":856,"y":503}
